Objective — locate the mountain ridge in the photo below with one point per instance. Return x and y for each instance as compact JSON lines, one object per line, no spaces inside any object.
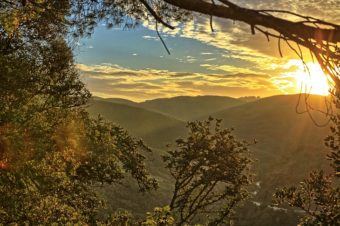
{"x":183,"y":107}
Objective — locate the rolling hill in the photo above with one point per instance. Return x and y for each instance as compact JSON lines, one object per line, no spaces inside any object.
{"x":116,"y":101}
{"x":189,"y":108}
{"x":183,"y":107}
{"x":155,"y":128}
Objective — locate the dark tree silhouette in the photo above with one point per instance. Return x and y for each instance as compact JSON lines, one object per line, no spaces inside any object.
{"x":211,"y":169}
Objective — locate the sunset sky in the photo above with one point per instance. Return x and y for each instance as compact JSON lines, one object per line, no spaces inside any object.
{"x":230,"y":61}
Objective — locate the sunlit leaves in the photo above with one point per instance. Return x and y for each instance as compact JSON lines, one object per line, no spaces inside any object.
{"x":51,"y":152}
{"x":160,"y":216}
{"x":211,"y":169}
{"x":333,"y":143}
{"x":316,"y":196}
{"x":57,"y":181}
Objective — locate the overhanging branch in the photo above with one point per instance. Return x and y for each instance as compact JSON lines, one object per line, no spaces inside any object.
{"x":155,"y":15}
{"x":320,"y":37}
{"x":254,"y":17}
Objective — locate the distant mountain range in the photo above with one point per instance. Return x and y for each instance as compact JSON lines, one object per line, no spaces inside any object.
{"x":289,"y":146}
{"x":183,"y":107}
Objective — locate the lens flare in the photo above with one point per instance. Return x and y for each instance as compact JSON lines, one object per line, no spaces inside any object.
{"x":314,"y":81}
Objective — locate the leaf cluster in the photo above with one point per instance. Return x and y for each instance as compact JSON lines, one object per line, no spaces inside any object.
{"x":211,"y":169}
{"x":316,"y":196}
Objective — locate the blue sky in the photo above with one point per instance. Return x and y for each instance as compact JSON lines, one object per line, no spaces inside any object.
{"x":141,"y":48}
{"x":133,"y":64}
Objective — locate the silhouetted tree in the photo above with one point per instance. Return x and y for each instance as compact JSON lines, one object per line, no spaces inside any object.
{"x":333,"y":143}
{"x":317,"y":196}
{"x":211,"y":171}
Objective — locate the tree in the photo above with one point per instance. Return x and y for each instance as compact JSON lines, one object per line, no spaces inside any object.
{"x":52,"y":154}
{"x":316,"y":196}
{"x":333,"y":143}
{"x":159,"y":217}
{"x":51,"y":163}
{"x":211,"y":170}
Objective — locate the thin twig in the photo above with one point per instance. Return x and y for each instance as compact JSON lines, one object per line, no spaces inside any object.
{"x":160,"y":37}
{"x":211,"y":19}
{"x":155,"y":15}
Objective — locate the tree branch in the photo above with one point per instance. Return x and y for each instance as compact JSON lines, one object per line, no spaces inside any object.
{"x":155,"y":15}
{"x":254,"y":17}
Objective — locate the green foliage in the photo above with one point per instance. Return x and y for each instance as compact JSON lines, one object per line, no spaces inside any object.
{"x":333,"y":143}
{"x":126,"y":13}
{"x":52,"y":154}
{"x":159,"y":217}
{"x":44,"y":19}
{"x":25,"y":22}
{"x":119,"y":218}
{"x":37,"y":80}
{"x":114,"y":153}
{"x":56,"y":183}
{"x":211,"y":171}
{"x":316,"y":196}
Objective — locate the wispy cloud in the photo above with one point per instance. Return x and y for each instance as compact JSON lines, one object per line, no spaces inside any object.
{"x":114,"y":81}
{"x":228,"y":68}
{"x":236,"y":39}
{"x":234,"y":62}
{"x":153,"y":38}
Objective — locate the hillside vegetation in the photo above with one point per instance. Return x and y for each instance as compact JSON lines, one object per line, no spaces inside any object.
{"x":285,"y":140}
{"x":155,"y":128}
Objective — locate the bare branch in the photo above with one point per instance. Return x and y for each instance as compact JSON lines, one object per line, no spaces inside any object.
{"x":160,"y":37}
{"x":155,"y":15}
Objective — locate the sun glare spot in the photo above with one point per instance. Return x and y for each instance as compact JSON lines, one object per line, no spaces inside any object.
{"x":315,"y":82}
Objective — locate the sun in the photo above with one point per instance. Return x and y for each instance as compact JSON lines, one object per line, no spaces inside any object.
{"x":315,"y":82}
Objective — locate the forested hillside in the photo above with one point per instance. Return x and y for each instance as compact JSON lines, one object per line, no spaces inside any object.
{"x":284,"y":140}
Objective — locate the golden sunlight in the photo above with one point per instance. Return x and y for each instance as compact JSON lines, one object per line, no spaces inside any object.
{"x":313,"y":82}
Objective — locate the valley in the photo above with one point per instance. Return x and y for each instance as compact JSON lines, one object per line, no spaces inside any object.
{"x":287,"y":145}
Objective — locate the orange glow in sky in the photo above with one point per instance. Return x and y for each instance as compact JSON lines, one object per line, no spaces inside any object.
{"x":312,"y":81}
{"x":315,"y":82}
